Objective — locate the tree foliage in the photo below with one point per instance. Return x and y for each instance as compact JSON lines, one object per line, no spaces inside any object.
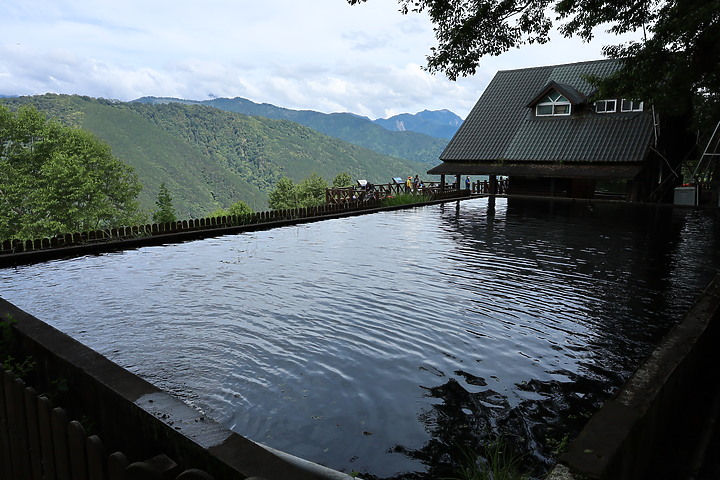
{"x":284,"y":195}
{"x":165,"y":212}
{"x":675,"y":64}
{"x":58,"y":179}
{"x":238,"y":209}
{"x":342,"y":180}
{"x":310,"y":192}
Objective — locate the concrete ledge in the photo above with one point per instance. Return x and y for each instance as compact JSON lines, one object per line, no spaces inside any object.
{"x":134,"y":417}
{"x":115,"y":244}
{"x":651,"y":428}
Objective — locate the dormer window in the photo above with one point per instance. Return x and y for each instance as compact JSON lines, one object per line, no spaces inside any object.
{"x":553,"y":104}
{"x":631,"y":106}
{"x":606,"y":106}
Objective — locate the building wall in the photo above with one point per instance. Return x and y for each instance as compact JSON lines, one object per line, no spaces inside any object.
{"x":552,"y":187}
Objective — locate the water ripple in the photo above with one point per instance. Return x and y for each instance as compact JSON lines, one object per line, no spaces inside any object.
{"x":376,"y":343}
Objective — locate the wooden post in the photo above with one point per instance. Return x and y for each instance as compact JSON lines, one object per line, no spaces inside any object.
{"x":95,"y":452}
{"x":46,"y":441}
{"x":116,"y":464}
{"x":17,"y":427}
{"x":31,"y":412}
{"x":76,"y":448}
{"x":6,"y":470}
{"x":58,"y":424}
{"x":493,"y":192}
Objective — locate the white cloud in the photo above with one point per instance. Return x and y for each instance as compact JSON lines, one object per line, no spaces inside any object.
{"x":317,"y":54}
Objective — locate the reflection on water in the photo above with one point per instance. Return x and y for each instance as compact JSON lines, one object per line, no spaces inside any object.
{"x":389,"y":342}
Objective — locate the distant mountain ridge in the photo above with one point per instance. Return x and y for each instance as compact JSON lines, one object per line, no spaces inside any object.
{"x":210,"y":158}
{"x":407,"y":144}
{"x":437,"y":123}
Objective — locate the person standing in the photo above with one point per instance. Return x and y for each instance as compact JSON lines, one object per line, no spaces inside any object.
{"x":467,"y":183}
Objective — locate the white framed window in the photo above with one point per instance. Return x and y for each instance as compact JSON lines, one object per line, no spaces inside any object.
{"x":606,"y":106}
{"x":631,"y":105}
{"x":553,"y":104}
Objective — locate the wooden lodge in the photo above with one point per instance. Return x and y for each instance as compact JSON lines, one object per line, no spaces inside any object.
{"x":544,"y":129}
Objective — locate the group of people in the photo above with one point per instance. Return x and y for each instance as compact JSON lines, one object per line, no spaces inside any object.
{"x":416,"y":183}
{"x":413,"y":183}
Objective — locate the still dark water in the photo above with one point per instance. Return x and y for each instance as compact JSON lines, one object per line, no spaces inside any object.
{"x":386,"y":343}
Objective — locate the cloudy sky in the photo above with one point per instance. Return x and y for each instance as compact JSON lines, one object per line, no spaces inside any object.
{"x":320,"y":55}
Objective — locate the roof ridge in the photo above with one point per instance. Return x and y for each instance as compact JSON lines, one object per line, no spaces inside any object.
{"x":602,"y":60}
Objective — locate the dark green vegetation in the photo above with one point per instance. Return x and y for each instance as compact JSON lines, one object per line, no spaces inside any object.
{"x":410,"y":145}
{"x":405,"y":199}
{"x":674,"y":64}
{"x":342,"y":180}
{"x":165,"y":211}
{"x":495,"y":461}
{"x":20,"y":367}
{"x":308,"y":193}
{"x":210,"y":159}
{"x":59,"y":179}
{"x":237,"y":209}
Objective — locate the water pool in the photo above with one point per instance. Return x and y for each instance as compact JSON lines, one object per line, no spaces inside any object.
{"x":382,"y":343}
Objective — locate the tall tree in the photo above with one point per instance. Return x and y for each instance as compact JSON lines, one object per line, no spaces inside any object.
{"x":165,"y":212}
{"x":57,"y":179}
{"x":284,"y":195}
{"x":674,"y":64}
{"x":311,"y":191}
{"x":342,"y":180}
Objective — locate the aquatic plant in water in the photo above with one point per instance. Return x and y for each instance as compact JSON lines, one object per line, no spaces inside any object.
{"x":494,"y":461}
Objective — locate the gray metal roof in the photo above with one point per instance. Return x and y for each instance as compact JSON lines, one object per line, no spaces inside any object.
{"x":568,"y":91}
{"x":606,"y":171}
{"x":502,"y":127}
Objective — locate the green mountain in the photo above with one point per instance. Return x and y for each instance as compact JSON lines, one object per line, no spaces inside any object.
{"x":210,"y":158}
{"x":438,"y":123}
{"x":361,"y":131}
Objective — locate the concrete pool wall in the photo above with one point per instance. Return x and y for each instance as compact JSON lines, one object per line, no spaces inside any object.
{"x":133,"y":416}
{"x":657,"y":424}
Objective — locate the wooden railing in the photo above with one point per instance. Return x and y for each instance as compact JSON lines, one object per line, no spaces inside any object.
{"x":434,"y":190}
{"x":347,"y":206}
{"x":378,"y":192}
{"x":199,"y":224}
{"x":484,"y":187}
{"x":37,"y":441}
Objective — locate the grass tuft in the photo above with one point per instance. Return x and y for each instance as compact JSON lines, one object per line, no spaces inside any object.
{"x":404,"y":199}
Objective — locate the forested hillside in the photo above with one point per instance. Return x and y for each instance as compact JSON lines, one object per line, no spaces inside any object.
{"x":361,"y":131}
{"x":209,"y":158}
